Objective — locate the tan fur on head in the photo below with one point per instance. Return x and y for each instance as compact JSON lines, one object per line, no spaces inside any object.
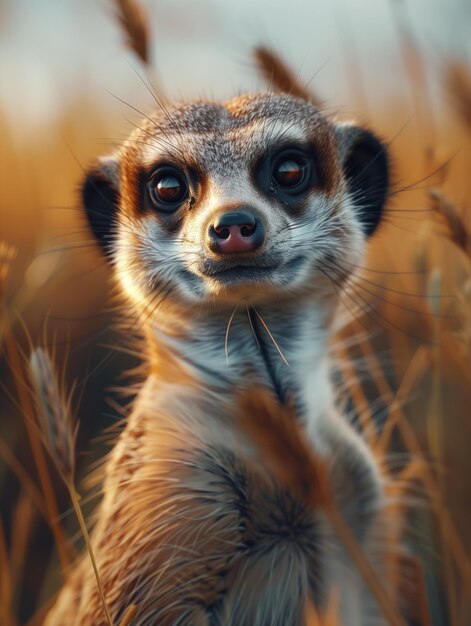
{"x":221,"y":148}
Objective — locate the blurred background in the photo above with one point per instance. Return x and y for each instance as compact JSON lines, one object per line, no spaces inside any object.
{"x":70,"y":84}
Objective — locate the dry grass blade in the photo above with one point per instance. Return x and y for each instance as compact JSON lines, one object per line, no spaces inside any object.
{"x":59,"y":433}
{"x":135,"y":24}
{"x":6,"y":616}
{"x":129,"y":615}
{"x":55,"y":420}
{"x":358,"y":396}
{"x":25,"y":403}
{"x":274,"y":429}
{"x":416,"y":369}
{"x":23,"y":477}
{"x":280,"y":76}
{"x":447,"y":213}
{"x":413,"y":591}
{"x":40,"y":615}
{"x":24,"y":518}
{"x":458,"y":83}
{"x":7,"y":254}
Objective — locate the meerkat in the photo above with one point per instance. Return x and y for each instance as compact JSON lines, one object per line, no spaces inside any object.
{"x":231,"y":229}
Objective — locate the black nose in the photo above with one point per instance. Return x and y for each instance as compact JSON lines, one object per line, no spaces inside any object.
{"x":236,"y":231}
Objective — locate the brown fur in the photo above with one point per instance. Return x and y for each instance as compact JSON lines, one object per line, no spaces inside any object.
{"x":200,"y":523}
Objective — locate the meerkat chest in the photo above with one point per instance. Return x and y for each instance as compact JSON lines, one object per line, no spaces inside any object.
{"x":191,"y":499}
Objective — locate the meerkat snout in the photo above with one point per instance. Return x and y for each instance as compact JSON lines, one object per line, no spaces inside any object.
{"x":234,"y":232}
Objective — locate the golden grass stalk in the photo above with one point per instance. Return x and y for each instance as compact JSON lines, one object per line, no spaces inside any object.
{"x":397,"y":419}
{"x":83,"y":527}
{"x":59,"y":435}
{"x":16,"y":366}
{"x":129,"y":615}
{"x":23,"y":478}
{"x":446,"y":214}
{"x":275,"y":430}
{"x":6,"y":616}
{"x":435,"y":437}
{"x":458,"y":83}
{"x":428,"y":479}
{"x":413,"y":590}
{"x":41,"y":613}
{"x":55,"y":420}
{"x":134,"y":22}
{"x":416,"y":369}
{"x":7,"y":254}
{"x":358,"y":396}
{"x":24,"y":517}
{"x":279,"y":76}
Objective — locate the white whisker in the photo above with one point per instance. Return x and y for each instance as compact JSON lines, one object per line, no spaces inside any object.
{"x":226,"y":337}
{"x":271,"y":337}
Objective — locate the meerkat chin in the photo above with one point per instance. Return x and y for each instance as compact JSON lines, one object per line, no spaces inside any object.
{"x":231,"y":229}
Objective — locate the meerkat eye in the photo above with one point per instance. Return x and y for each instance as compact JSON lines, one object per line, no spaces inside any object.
{"x":168,"y":188}
{"x":289,"y":172}
{"x":293,"y":171}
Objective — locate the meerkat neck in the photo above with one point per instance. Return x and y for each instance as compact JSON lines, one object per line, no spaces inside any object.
{"x":281,"y":348}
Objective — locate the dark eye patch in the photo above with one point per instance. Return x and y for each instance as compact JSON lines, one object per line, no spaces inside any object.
{"x":168,"y":191}
{"x":287,"y":173}
{"x":168,"y":188}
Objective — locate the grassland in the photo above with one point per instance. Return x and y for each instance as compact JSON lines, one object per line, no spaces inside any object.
{"x":408,"y":377}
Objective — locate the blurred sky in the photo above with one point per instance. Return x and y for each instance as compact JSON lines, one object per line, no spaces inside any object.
{"x":52,"y":52}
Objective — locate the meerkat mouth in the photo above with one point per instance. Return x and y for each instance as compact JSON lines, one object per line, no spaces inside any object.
{"x":242,"y":274}
{"x":247,"y":273}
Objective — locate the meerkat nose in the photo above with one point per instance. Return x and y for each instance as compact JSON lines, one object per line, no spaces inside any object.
{"x":236,"y":231}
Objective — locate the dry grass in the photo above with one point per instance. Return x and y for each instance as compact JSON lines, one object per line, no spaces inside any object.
{"x":458,"y":82}
{"x":280,"y":77}
{"x":55,"y":421}
{"x":418,"y":406}
{"x":59,"y":434}
{"x":275,"y":429}
{"x":448,"y":215}
{"x":134,"y":23}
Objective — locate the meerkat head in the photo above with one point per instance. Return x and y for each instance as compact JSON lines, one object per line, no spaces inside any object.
{"x":260,"y":197}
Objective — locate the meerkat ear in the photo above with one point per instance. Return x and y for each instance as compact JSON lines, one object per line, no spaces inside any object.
{"x":100,"y":197}
{"x":365,"y":164}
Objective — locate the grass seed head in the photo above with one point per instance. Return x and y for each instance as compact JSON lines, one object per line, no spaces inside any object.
{"x":447,"y":213}
{"x":458,"y":83}
{"x":280,"y":77}
{"x":55,"y":421}
{"x":135,"y":25}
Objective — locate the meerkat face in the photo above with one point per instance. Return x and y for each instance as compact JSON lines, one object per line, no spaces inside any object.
{"x":257,"y":198}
